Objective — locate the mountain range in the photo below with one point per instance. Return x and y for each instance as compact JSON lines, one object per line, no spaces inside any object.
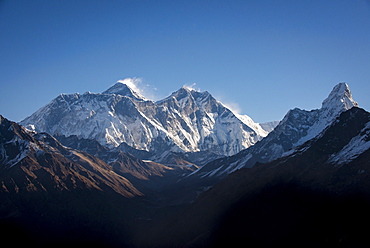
{"x":185,"y":121}
{"x":115,"y":169}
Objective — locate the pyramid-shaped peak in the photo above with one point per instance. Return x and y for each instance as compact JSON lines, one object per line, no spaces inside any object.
{"x":188,"y":91}
{"x":340,"y":96}
{"x":183,"y":91}
{"x":127,"y":87}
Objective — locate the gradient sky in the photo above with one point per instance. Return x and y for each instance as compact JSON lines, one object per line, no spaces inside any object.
{"x":263,"y":57}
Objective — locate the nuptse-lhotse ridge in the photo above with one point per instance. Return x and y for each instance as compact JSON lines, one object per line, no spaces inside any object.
{"x":90,"y":168}
{"x":186,"y":121}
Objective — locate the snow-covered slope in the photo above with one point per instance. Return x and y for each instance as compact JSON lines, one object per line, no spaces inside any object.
{"x":297,"y":127}
{"x":357,"y":145}
{"x":186,"y":121}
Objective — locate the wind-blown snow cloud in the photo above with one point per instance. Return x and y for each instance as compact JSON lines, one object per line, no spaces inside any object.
{"x":138,"y":85}
{"x":192,"y":87}
{"x":133,"y":83}
{"x":233,"y":106}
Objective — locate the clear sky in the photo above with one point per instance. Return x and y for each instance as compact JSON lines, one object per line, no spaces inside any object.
{"x":263,"y":57}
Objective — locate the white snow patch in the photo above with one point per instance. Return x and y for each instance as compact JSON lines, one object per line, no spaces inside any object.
{"x":354,"y":148}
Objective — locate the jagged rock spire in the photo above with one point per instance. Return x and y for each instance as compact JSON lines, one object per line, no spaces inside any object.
{"x":340,"y":97}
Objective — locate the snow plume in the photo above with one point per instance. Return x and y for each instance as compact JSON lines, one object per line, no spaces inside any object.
{"x":234,"y":107}
{"x":132,"y":83}
{"x":191,"y":87}
{"x":139,"y":86}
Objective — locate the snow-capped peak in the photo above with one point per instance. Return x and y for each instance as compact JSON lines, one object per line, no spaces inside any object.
{"x":126,"y":87}
{"x":189,"y":88}
{"x":340,"y":97}
{"x":339,"y":100}
{"x":187,"y":92}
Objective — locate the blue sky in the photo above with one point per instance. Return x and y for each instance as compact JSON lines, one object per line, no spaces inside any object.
{"x":263,"y":57}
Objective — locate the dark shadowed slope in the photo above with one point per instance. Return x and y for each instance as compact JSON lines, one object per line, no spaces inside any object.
{"x":55,"y":193}
{"x":314,"y":197}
